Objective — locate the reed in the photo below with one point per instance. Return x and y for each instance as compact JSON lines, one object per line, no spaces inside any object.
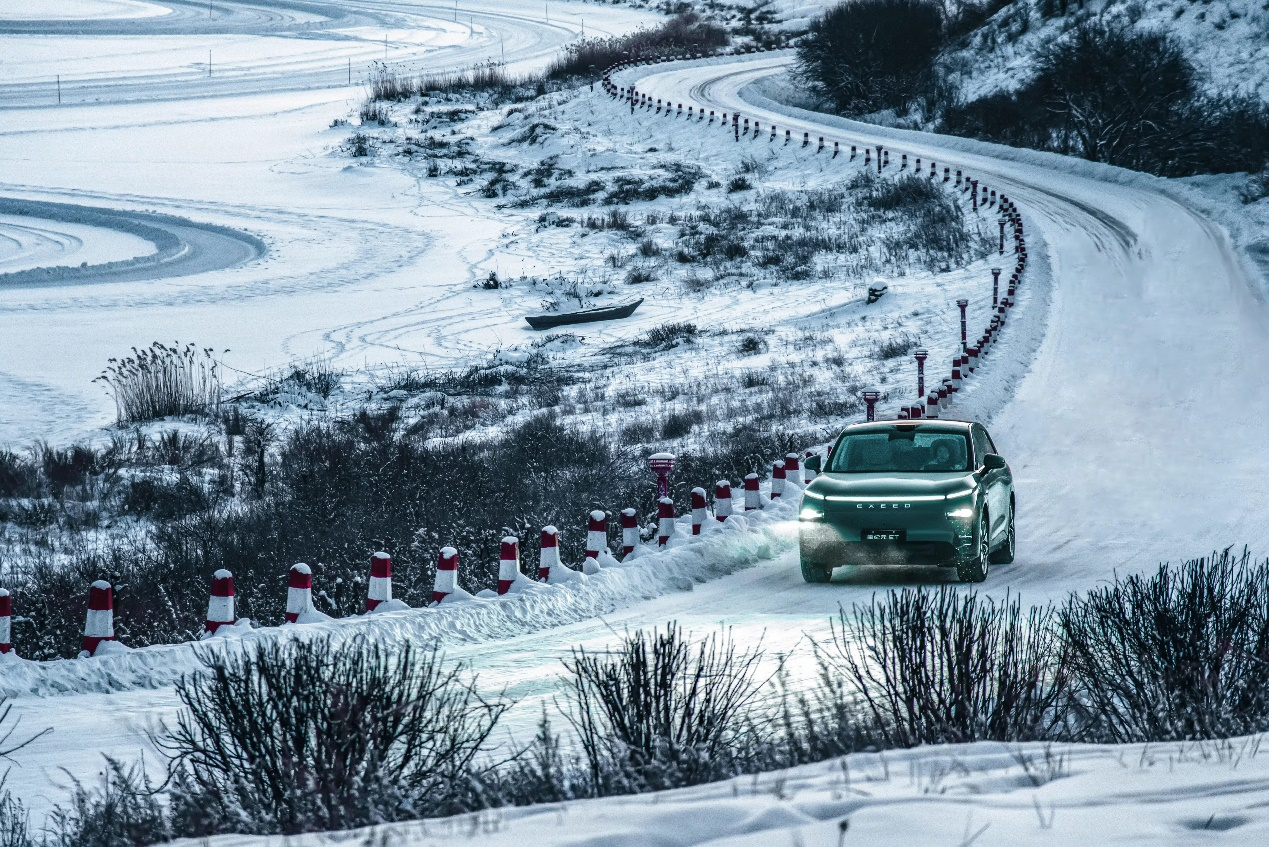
{"x":161,"y":381}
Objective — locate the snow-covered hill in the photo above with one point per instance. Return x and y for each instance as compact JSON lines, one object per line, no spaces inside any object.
{"x":1228,"y":40}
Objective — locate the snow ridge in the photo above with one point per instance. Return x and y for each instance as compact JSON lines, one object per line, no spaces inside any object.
{"x":742,"y":541}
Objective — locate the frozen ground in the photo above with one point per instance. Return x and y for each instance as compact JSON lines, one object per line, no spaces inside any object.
{"x":980,"y":794}
{"x":253,"y":152}
{"x":1127,"y":399}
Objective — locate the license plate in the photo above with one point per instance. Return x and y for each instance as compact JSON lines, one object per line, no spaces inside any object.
{"x":883,"y":535}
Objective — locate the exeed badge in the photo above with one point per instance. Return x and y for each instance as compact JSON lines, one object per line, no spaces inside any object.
{"x":883,"y":505}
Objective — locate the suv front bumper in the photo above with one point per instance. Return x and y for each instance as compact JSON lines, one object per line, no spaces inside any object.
{"x":826,"y":544}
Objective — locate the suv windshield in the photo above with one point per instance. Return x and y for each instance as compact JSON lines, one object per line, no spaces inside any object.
{"x":902,"y":450}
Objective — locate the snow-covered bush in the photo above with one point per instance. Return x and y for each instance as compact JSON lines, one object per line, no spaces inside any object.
{"x":1177,"y":656}
{"x":686,"y":34}
{"x":940,"y":667}
{"x":124,"y":811}
{"x":1109,"y":92}
{"x":300,"y":736}
{"x":663,"y":711}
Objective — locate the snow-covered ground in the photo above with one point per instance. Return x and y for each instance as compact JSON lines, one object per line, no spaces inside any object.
{"x":254,"y":152}
{"x":1228,"y":41}
{"x":989,"y":795}
{"x":1126,"y":396}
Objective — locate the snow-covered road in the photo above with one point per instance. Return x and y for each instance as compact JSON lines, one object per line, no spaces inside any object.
{"x":234,"y":47}
{"x":1137,"y":434}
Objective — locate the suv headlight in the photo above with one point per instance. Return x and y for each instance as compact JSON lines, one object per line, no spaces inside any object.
{"x":959,"y":505}
{"x":811,"y":510}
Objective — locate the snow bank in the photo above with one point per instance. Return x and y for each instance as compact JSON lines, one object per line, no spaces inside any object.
{"x":987,"y":794}
{"x":163,"y":231}
{"x":741,"y":542}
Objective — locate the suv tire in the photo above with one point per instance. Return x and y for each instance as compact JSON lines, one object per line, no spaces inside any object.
{"x":975,"y":569}
{"x":814,"y":572}
{"x":1003,"y":555}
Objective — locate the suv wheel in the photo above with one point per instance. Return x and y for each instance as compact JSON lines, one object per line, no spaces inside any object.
{"x":814,"y":572}
{"x":1003,"y":555}
{"x":975,"y":569}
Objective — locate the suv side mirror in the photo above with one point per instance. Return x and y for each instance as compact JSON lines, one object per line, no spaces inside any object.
{"x":994,"y":462}
{"x":813,"y":463}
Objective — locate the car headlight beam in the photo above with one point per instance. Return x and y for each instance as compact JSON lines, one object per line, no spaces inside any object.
{"x":966,"y":512}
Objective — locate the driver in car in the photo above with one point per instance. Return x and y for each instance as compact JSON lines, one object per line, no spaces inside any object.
{"x":942,"y":458}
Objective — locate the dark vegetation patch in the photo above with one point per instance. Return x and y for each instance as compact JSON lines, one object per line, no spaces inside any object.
{"x":868,"y":225}
{"x":328,"y":493}
{"x":687,"y":34}
{"x":1109,"y":93}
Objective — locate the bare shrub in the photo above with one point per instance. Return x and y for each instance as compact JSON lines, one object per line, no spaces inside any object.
{"x":316,"y":376}
{"x":941,"y":667}
{"x":125,"y":811}
{"x":15,"y":823}
{"x":374,"y":113}
{"x":1256,"y":188}
{"x":19,"y":477}
{"x":304,"y":736}
{"x":162,"y":381}
{"x":895,"y":346}
{"x":669,"y":334}
{"x":686,"y":34}
{"x":358,"y":145}
{"x":388,"y":83}
{"x":680,"y":423}
{"x":662,"y":711}
{"x":869,"y":55}
{"x":1179,"y":655}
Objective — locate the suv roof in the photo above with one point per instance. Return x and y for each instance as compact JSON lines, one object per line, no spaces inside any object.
{"x":920,"y":423}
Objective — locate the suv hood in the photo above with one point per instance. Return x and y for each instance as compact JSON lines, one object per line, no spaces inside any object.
{"x":891,"y":485}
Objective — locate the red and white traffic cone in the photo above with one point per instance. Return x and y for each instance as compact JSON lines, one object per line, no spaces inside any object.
{"x":629,"y":531}
{"x":508,"y":563}
{"x":446,"y":574}
{"x":777,"y":480}
{"x":665,"y":521}
{"x":6,"y":617}
{"x":793,"y":468}
{"x":220,"y":606}
{"x":299,"y":592}
{"x":380,"y":589}
{"x":99,"y":626}
{"x":596,"y":536}
{"x":549,"y":558}
{"x":722,"y":500}
{"x":753,"y":497}
{"x":700,"y":510}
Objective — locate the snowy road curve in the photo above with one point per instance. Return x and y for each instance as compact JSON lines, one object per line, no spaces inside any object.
{"x":1137,"y":435}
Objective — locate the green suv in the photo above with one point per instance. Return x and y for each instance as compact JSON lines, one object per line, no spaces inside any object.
{"x":909,"y":492}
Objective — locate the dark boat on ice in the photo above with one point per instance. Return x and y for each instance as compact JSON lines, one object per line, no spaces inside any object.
{"x":602,"y":313}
